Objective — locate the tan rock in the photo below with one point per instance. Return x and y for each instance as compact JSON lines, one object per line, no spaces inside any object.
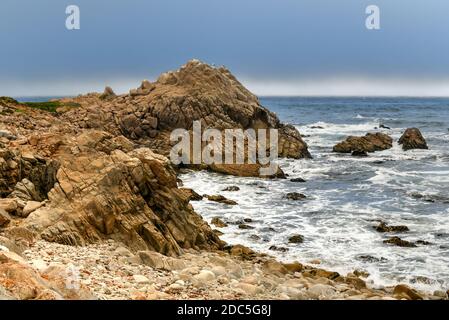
{"x":30,"y":207}
{"x":403,"y":291}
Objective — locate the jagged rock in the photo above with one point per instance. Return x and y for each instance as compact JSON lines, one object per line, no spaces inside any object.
{"x":196,"y":91}
{"x":413,"y":139}
{"x":128,"y":196}
{"x":371,"y":142}
{"x":383,"y":227}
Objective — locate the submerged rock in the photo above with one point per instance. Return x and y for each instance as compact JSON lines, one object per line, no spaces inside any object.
{"x":371,"y":142}
{"x":413,"y":139}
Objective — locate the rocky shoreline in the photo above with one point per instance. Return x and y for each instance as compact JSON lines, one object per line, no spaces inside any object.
{"x":91,"y":208}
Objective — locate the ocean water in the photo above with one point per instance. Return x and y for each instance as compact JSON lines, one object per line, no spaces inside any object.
{"x":346,"y":195}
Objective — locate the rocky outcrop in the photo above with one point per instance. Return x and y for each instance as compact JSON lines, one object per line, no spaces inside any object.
{"x":195,"y":92}
{"x":371,"y":142}
{"x":104,"y":188}
{"x":413,"y":139}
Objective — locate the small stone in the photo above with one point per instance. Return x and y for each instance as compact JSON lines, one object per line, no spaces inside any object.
{"x":140,"y":279}
{"x":231,"y":188}
{"x":300,"y":180}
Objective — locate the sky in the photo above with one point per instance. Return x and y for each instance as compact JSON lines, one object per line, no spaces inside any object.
{"x":275,"y":47}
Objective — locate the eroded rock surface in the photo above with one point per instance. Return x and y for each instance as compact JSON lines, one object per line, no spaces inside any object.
{"x":413,"y":139}
{"x":371,"y":142}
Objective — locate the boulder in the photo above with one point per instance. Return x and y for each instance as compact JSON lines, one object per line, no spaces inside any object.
{"x":159,"y":261}
{"x":108,"y":94}
{"x":413,"y":139}
{"x":371,"y":142}
{"x":403,"y":291}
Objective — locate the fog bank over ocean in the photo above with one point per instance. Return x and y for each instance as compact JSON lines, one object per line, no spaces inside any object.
{"x":330,"y":86}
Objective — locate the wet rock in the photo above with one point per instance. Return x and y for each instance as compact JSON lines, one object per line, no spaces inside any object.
{"x":245,"y":226}
{"x":216,"y":221}
{"x":359,"y":153}
{"x":399,"y":242}
{"x":383,"y":227}
{"x":295,"y":196}
{"x":382,"y":126}
{"x":300,"y":180}
{"x":371,"y":142}
{"x":297,"y":238}
{"x":231,"y":188}
{"x":423,"y":243}
{"x":280,"y":249}
{"x":254,"y":237}
{"x":413,"y":139}
{"x":371,"y":259}
{"x":241,"y":251}
{"x":221,"y":199}
{"x":403,"y":291}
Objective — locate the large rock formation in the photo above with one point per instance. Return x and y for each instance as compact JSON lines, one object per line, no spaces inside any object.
{"x":78,"y":170}
{"x":104,"y":188}
{"x":413,"y":139}
{"x":196,"y":92}
{"x":371,"y":142}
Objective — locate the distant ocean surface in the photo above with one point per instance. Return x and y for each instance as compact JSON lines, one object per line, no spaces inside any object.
{"x":346,"y":194}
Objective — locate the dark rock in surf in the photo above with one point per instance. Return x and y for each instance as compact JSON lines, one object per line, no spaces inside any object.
{"x":371,"y":142}
{"x":297,"y":238}
{"x":295,"y":196}
{"x":231,"y":188}
{"x":221,"y":199}
{"x":359,"y":153}
{"x":245,"y":226}
{"x":383,"y":227}
{"x":413,"y":139}
{"x":399,"y":242}
{"x":280,"y":249}
{"x":300,"y":180}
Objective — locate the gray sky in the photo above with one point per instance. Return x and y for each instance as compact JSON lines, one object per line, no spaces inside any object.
{"x":276,"y":47}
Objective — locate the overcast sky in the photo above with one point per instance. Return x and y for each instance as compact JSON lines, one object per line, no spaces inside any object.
{"x":276,"y":47}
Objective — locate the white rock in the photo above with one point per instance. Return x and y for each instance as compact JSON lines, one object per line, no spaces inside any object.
{"x":321,"y":291}
{"x":218,"y":270}
{"x":39,"y":264}
{"x":141,"y":279}
{"x":30,"y":207}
